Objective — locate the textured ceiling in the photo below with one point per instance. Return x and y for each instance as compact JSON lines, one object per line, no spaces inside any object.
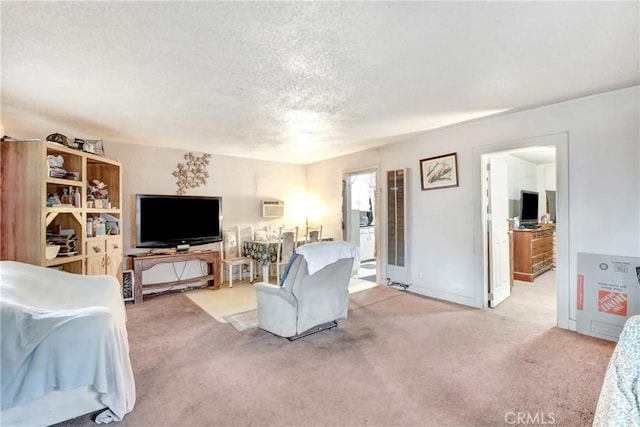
{"x":299,"y":81}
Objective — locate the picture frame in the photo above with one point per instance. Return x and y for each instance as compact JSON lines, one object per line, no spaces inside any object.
{"x":439,"y":172}
{"x":128,"y":285}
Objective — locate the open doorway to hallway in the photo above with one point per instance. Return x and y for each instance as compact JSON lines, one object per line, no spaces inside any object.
{"x":520,"y":224}
{"x":359,"y":219}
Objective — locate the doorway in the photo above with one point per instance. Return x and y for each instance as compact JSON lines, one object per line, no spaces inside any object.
{"x":529,"y":162}
{"x":360,"y":214}
{"x":521,"y":228}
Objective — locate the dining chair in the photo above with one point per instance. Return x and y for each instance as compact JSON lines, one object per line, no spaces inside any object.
{"x":314,"y":234}
{"x":287,"y":243}
{"x":247,"y":234}
{"x":260,"y":233}
{"x":232,"y":254}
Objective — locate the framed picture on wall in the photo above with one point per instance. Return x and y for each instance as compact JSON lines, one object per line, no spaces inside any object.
{"x":439,"y":172}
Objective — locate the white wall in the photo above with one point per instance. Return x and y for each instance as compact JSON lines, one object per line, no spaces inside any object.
{"x":521,"y":175}
{"x":546,"y":181}
{"x":242,"y":183}
{"x":324,"y":181}
{"x":603,"y":187}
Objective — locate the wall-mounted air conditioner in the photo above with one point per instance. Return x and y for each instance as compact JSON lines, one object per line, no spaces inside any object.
{"x":272,"y":208}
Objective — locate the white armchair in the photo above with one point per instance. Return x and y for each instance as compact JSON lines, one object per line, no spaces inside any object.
{"x":314,"y":292}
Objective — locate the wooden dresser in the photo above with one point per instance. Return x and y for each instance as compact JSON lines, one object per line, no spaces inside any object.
{"x":532,"y":253}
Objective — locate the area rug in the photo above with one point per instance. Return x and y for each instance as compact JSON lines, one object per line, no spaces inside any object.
{"x":248,"y":320}
{"x":368,"y":266}
{"x":243,"y":321}
{"x":371,"y":278}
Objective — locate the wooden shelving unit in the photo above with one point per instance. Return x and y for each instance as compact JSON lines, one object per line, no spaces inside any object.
{"x":25,"y":217}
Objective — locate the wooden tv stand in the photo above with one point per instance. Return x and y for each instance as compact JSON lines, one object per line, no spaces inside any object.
{"x":145,"y":262}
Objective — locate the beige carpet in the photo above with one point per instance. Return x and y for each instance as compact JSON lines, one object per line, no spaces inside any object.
{"x":398,"y":360}
{"x":237,"y":305}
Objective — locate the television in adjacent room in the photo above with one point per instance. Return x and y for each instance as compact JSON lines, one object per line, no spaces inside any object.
{"x":170,"y":221}
{"x":528,"y":208}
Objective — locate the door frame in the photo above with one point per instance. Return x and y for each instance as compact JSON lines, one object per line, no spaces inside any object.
{"x":480,"y":271}
{"x":346,"y":174}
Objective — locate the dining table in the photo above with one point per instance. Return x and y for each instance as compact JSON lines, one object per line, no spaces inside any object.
{"x":265,"y":251}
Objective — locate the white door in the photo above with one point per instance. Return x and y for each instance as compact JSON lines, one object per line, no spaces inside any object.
{"x":350,"y":216}
{"x":498,"y":214}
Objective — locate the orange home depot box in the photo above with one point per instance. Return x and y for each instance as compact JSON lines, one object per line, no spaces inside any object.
{"x":608,"y":294}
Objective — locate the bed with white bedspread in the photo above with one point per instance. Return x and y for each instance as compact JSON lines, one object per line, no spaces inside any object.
{"x":619,"y":401}
{"x":64,"y":346}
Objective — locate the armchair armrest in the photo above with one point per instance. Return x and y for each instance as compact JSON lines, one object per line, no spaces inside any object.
{"x":269,"y":289}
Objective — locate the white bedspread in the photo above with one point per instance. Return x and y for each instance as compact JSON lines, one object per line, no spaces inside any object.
{"x":63,"y":331}
{"x":619,"y":401}
{"x":321,"y":254}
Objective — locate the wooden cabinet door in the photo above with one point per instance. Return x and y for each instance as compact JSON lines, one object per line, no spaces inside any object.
{"x":96,"y":264}
{"x":114,"y":264}
{"x":96,"y":257}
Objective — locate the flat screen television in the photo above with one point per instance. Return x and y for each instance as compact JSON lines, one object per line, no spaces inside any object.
{"x":528,"y":207}
{"x":168,"y":221}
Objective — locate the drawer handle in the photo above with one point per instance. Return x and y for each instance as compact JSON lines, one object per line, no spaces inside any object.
{"x":97,"y":249}
{"x":103,"y":262}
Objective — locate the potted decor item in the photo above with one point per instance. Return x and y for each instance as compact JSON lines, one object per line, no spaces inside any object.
{"x":99,"y":194}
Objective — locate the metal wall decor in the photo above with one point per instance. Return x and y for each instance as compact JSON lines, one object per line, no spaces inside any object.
{"x":192,"y":174}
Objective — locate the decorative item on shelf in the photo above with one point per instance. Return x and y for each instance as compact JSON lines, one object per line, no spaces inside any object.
{"x":55,"y":167}
{"x":96,"y":226}
{"x":98,"y":193}
{"x":52,"y":251}
{"x":112,"y":224}
{"x":113,"y":229}
{"x":96,"y":222}
{"x":74,"y":176}
{"x":64,"y":197}
{"x":79,"y":143}
{"x":193,"y":174}
{"x":59,"y":138}
{"x":53,"y":200}
{"x":92,"y":146}
{"x":101,"y":229}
